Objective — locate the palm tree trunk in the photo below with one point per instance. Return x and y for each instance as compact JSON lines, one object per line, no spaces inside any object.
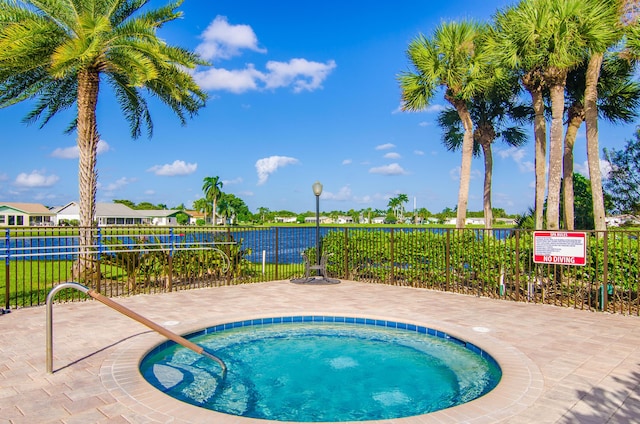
{"x":465,"y":166}
{"x":593,"y":153}
{"x":88,"y":86}
{"x":540,"y":132}
{"x":575,"y":120}
{"x":488,"y":172}
{"x":555,"y":155}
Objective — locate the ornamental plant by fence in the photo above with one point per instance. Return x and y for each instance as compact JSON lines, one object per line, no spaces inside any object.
{"x":490,"y":263}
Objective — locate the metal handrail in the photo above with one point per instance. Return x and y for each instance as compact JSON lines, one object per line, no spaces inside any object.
{"x":125,"y":311}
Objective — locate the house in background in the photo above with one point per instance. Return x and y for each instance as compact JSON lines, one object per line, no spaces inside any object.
{"x":25,"y":215}
{"x":286,"y":219}
{"x":106,"y":214}
{"x":163,"y":217}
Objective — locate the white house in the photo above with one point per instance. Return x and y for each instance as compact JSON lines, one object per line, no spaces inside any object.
{"x":106,"y":214}
{"x":286,"y":219}
{"x":344,"y":220}
{"x":323,"y":220}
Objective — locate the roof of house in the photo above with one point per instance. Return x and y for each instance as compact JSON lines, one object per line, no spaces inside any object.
{"x":29,"y":208}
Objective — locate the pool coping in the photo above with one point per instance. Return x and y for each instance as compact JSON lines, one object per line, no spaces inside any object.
{"x":521,"y":384}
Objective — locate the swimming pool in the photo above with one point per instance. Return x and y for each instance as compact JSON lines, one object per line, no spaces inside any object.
{"x":323,"y":368}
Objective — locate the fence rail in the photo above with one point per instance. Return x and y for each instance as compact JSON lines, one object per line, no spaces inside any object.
{"x":490,"y":263}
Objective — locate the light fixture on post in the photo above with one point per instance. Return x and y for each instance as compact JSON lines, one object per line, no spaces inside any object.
{"x":317,"y":191}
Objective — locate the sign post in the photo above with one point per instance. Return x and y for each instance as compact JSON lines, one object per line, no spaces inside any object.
{"x":559,"y":247}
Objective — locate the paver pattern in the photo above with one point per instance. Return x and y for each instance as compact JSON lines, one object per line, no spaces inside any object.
{"x":562,"y":365}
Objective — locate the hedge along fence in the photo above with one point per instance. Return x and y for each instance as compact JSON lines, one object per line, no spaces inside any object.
{"x":491,"y":263}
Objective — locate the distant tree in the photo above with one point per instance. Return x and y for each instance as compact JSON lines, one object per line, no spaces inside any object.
{"x":146,"y":206}
{"x":182,"y":218}
{"x":203,"y":206}
{"x":623,"y":182}
{"x":262,"y":213}
{"x":127,"y":203}
{"x":212,"y":188}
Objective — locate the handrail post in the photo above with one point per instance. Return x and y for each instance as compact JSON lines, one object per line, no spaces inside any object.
{"x":124,"y":311}
{"x":50,"y":297}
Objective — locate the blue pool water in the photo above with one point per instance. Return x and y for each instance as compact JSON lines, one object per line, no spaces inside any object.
{"x":310,"y":371}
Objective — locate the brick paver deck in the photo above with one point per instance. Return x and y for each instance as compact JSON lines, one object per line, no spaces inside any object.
{"x":560,"y":365}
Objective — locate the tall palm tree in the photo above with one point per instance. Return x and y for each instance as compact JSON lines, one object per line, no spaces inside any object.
{"x":604,"y":18}
{"x":618,"y":101}
{"x":212,"y":187}
{"x":453,"y":58}
{"x":393,"y":204}
{"x":515,"y":44}
{"x":402,"y":199}
{"x":58,"y":52}
{"x":496,"y":115}
{"x":539,"y":38}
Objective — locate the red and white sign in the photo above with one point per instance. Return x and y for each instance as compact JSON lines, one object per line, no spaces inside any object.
{"x":559,"y":247}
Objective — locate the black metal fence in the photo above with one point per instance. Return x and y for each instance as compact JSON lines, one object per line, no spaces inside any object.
{"x":497,"y":263}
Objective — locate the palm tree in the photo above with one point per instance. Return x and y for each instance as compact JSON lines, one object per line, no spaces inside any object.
{"x":604,"y":19}
{"x":618,"y":101}
{"x":226,"y":210}
{"x":393,"y":204}
{"x":58,"y":52}
{"x":496,"y":115}
{"x":212,"y":190}
{"x":202,"y":205}
{"x":540,"y":39}
{"x":454,"y":60}
{"x":402,"y":199}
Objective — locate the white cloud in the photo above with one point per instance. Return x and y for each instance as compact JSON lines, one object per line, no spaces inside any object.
{"x":222,"y":40}
{"x":299,"y":73}
{"x":347,"y":162}
{"x":583,"y":168}
{"x":238,"y":180}
{"x":118,"y":184}
{"x":4,"y":177}
{"x":418,"y":152}
{"x":178,"y":167}
{"x":454,"y":173}
{"x":267,"y":166}
{"x":235,"y":81}
{"x":424,"y":124}
{"x":392,"y":155}
{"x":517,"y":155}
{"x":36,"y":179}
{"x":73,"y":152}
{"x":392,"y":169}
{"x":428,"y":109}
{"x":343,"y":194}
{"x":149,"y":192}
{"x":385,"y":146}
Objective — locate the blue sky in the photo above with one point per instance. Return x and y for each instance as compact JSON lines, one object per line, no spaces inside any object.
{"x":299,"y":92}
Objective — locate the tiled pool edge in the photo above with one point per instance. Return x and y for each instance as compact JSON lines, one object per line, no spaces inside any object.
{"x":520,"y":386}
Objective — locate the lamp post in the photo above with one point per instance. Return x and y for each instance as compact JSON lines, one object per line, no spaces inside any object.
{"x":317,"y":190}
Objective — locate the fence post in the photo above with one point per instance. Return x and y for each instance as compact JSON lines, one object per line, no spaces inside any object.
{"x":99,"y":240}
{"x":517,"y":265}
{"x":346,"y":254}
{"x":447,"y":264}
{"x":276,"y":253}
{"x":605,"y":271}
{"x":169,"y":286}
{"x":7,"y":274}
{"x":392,"y":259}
